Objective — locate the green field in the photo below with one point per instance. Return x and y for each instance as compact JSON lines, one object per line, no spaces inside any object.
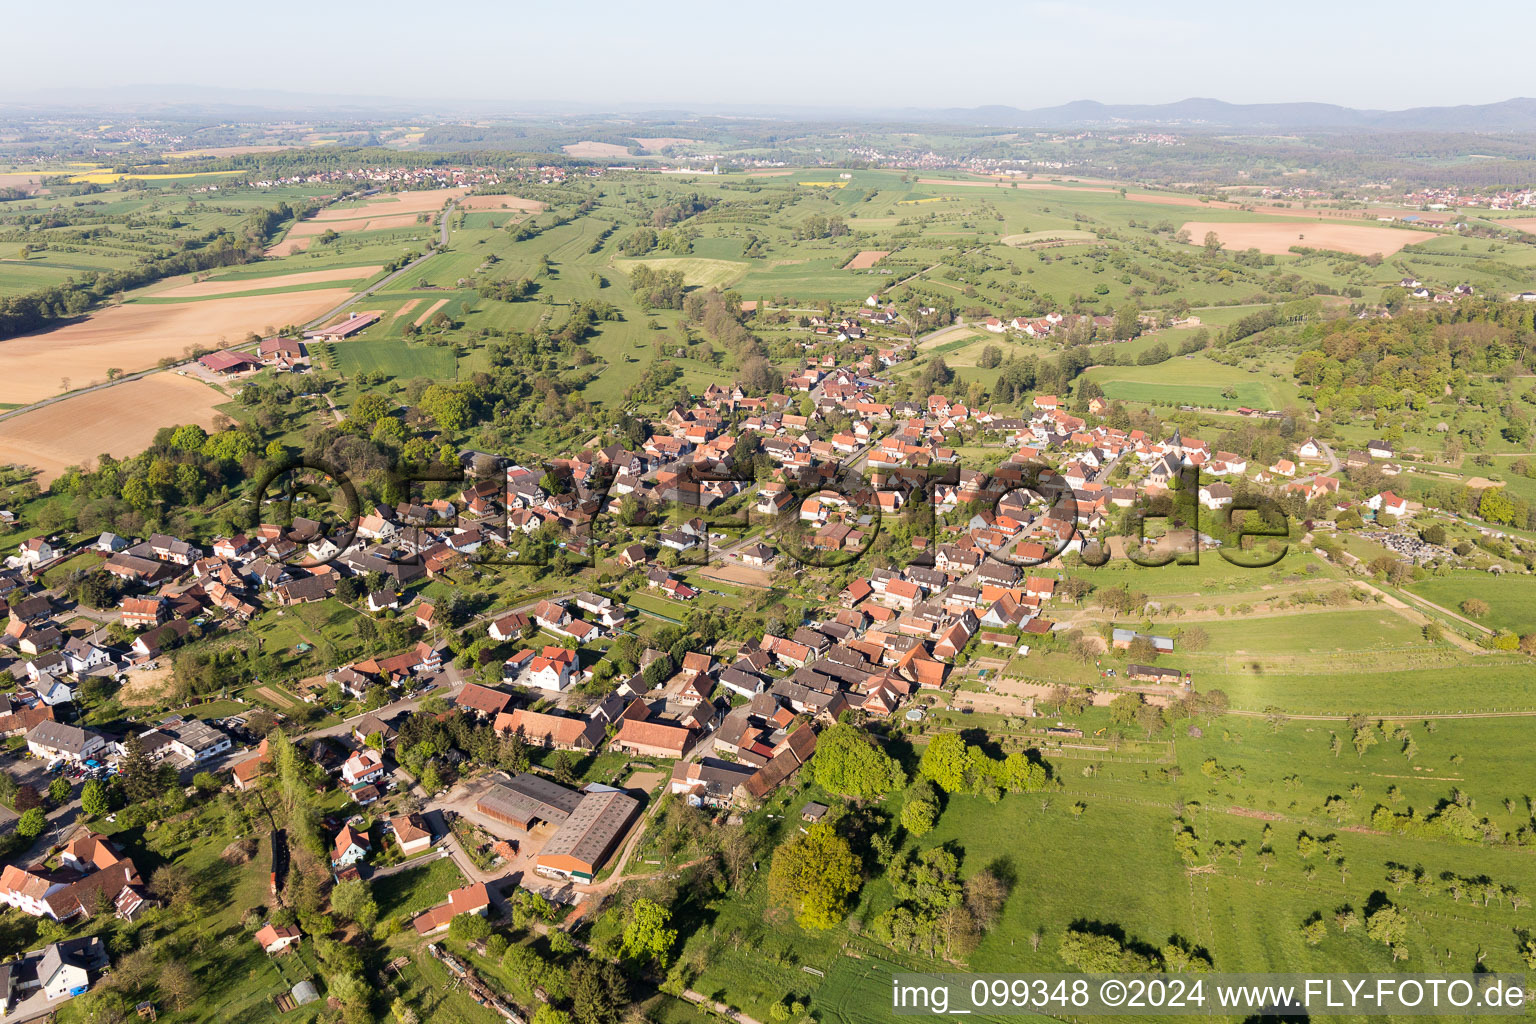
{"x":398,"y":359}
{"x":1511,"y":599}
{"x":1241,"y":910}
{"x":697,"y":273}
{"x":1193,"y":380}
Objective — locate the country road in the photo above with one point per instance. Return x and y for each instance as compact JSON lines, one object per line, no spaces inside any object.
{"x":1329,"y":470}
{"x":317,"y":321}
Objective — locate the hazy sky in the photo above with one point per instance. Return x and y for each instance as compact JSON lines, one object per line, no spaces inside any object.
{"x":894,"y":53}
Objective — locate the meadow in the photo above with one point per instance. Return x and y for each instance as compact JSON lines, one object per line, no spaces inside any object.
{"x":1194,"y":380}
{"x":1511,"y":599}
{"x":1228,"y":779}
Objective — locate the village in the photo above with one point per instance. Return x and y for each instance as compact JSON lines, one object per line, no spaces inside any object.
{"x":733,"y":723}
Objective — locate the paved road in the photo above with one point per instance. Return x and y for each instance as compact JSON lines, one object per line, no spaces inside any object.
{"x":316,"y":322}
{"x":1332,"y":467}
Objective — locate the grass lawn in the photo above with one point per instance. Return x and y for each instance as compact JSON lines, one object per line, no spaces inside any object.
{"x":409,"y":892}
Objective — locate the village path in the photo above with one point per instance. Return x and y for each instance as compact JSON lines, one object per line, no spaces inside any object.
{"x":1418,"y":618}
{"x":720,"y":1008}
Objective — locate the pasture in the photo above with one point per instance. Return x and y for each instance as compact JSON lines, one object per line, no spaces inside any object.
{"x":1193,"y":380}
{"x":1228,"y":783}
{"x":394,"y":358}
{"x":697,"y":273}
{"x":1511,"y":598}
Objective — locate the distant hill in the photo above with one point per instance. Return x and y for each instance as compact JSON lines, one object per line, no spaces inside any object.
{"x":1512,"y":115}
{"x":1508,"y":115}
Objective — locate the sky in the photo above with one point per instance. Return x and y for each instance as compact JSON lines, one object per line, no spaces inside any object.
{"x":789,"y":53}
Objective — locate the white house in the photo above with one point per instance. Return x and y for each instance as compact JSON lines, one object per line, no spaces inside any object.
{"x":82,"y":655}
{"x":197,"y":741}
{"x":363,"y":766}
{"x":273,"y":938}
{"x":1310,"y":449}
{"x":1387,"y":502}
{"x":26,"y":891}
{"x":54,"y":740}
{"x":36,"y":550}
{"x":1216,"y":495}
{"x":49,"y":688}
{"x":552,"y":670}
{"x":65,"y":967}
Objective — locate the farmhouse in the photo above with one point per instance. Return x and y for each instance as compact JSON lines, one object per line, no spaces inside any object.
{"x":229,"y":362}
{"x":557,"y":731}
{"x":584,"y":842}
{"x":355,"y":323}
{"x":709,"y":782}
{"x":525,"y":799}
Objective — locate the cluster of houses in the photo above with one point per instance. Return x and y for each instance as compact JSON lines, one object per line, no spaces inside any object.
{"x":1419,"y":290}
{"x":39,"y":652}
{"x":1045,"y":326}
{"x":91,"y":877}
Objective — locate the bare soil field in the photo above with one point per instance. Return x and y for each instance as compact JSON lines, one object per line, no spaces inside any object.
{"x":425,"y":201}
{"x":663,"y":142}
{"x":226,"y":151}
{"x":135,"y":337}
{"x":1277,"y":237}
{"x":867,"y":259}
{"x":1518,"y":223}
{"x":744,"y":575}
{"x":20,"y":179}
{"x":367,"y":222}
{"x":412,"y":304}
{"x":769,"y":174}
{"x":204,"y":289}
{"x":596,"y":150}
{"x":500,"y":203}
{"x":145,"y":687}
{"x":120,"y":420}
{"x":421,"y":321}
